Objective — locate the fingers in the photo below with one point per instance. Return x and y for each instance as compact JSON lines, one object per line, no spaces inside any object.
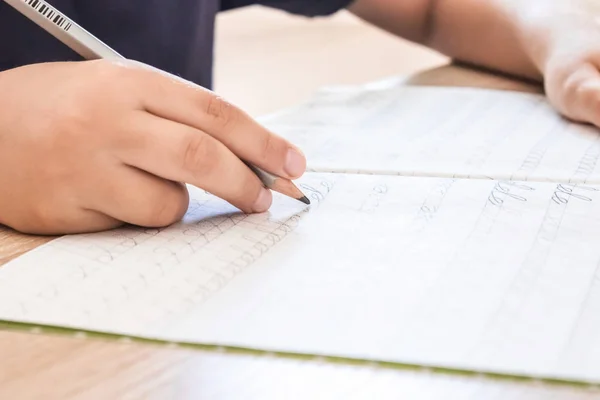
{"x":180,"y":153}
{"x":582,"y":95}
{"x":176,"y":100}
{"x":139,"y":198}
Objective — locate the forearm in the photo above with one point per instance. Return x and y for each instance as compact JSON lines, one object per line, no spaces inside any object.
{"x":512,"y":36}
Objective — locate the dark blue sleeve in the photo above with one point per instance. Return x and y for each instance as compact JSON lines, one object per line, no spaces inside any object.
{"x":309,"y":8}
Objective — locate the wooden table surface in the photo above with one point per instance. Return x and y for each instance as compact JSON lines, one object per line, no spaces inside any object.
{"x":38,"y":365}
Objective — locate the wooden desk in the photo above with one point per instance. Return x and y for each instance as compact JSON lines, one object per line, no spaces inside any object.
{"x":45,"y":366}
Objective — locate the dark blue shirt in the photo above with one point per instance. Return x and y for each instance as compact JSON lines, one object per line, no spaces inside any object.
{"x":173,"y":35}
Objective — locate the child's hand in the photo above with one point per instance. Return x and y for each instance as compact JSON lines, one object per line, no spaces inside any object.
{"x":567,"y":51}
{"x":87,"y":146}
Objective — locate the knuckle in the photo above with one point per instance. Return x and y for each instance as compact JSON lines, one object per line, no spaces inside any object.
{"x":108,"y":81}
{"x":220,"y":111}
{"x":588,"y":95}
{"x":269,"y":147}
{"x":581,"y":88}
{"x":577,"y":95}
{"x":73,"y":120}
{"x":199,"y":154}
{"x":245,"y":193}
{"x":572,"y":88}
{"x":108,"y":71}
{"x":168,"y":207}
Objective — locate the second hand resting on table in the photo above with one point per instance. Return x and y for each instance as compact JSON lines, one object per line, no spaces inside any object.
{"x":87,"y":146}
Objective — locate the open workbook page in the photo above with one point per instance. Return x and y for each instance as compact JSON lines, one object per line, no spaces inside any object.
{"x":387,"y":127}
{"x":483,"y":274}
{"x":476,"y":274}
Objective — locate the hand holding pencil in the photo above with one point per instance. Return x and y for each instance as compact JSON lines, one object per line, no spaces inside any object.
{"x":112,"y":141}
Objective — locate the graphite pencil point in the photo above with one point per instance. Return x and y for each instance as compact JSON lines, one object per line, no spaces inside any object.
{"x":304,"y":199}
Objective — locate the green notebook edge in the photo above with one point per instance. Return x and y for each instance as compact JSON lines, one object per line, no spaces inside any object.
{"x":32,"y":328}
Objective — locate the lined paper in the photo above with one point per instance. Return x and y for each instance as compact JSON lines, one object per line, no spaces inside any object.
{"x":389,"y":128}
{"x":448,"y":227}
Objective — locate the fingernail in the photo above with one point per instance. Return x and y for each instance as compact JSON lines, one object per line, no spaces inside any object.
{"x":263,"y":202}
{"x":295,"y":163}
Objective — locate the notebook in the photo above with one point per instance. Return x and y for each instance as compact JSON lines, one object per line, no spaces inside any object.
{"x":449,"y":228}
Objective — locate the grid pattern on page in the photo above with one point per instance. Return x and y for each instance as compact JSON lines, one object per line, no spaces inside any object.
{"x":393,"y":269}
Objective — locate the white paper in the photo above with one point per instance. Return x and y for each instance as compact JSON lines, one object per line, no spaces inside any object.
{"x":473,"y":274}
{"x":389,"y":128}
{"x":496,"y":274}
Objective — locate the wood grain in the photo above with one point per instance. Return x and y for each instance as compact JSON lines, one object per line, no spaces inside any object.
{"x":53,"y":367}
{"x":44,"y":366}
{"x":13,"y":244}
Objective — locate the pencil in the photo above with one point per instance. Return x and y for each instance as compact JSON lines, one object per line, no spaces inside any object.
{"x":91,"y":48}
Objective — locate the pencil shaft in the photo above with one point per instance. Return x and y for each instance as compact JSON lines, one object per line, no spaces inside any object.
{"x":64,"y":29}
